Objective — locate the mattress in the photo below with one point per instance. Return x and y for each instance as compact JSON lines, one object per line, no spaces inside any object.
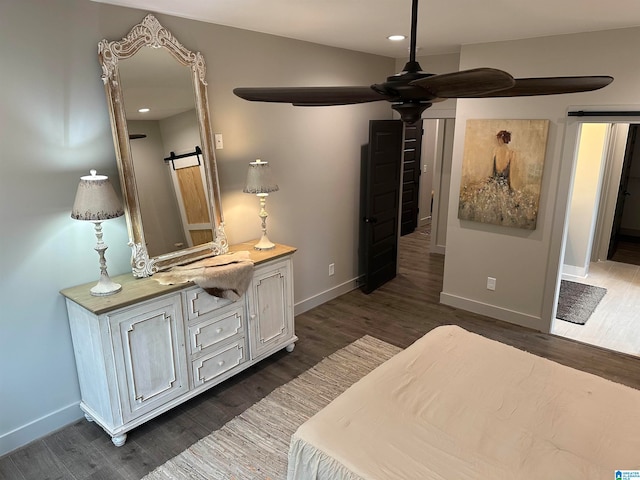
{"x":455,"y":405}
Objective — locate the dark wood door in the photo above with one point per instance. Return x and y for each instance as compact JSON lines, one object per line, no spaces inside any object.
{"x":381,"y":203}
{"x":632,"y":143}
{"x":411,"y":170}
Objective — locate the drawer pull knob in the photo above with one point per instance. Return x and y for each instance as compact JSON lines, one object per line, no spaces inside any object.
{"x":221,"y":363}
{"x":219,"y":330}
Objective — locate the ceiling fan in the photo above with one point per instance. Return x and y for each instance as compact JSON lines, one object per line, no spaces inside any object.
{"x":412,"y":91}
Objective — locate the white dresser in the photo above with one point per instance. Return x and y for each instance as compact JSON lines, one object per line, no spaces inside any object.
{"x":151,"y":347}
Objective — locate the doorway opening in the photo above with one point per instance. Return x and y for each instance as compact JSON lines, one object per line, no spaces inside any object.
{"x":436,"y":154}
{"x":603,"y":210}
{"x":624,"y":246}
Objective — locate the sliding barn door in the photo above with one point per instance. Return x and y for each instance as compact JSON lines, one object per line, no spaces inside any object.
{"x":189,"y":182}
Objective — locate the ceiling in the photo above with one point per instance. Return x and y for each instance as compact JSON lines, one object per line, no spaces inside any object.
{"x":363,"y":25}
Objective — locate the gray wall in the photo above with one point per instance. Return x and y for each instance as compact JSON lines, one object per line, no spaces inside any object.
{"x":54,"y":127}
{"x":526,"y":263}
{"x":160,"y":212}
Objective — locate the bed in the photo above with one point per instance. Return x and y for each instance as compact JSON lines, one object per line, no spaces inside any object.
{"x":455,"y":405}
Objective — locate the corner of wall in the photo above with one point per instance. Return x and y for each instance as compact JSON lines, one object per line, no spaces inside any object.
{"x":39,"y":427}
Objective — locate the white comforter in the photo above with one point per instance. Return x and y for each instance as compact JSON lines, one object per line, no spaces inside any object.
{"x":455,"y":405}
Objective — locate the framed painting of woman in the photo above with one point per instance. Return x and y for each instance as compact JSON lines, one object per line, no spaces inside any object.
{"x":502,"y":171}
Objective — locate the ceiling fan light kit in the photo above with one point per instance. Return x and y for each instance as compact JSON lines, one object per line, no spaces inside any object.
{"x":412,"y":91}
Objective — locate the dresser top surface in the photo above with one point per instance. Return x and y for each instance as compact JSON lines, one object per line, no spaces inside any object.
{"x":135,"y":290}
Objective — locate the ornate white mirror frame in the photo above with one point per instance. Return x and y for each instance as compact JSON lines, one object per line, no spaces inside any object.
{"x":149,"y":33}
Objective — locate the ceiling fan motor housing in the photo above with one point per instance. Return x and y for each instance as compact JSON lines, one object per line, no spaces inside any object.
{"x":410,"y":112}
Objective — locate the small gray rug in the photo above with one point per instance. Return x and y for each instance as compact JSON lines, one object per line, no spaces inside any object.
{"x":577,"y":301}
{"x":254,"y":445}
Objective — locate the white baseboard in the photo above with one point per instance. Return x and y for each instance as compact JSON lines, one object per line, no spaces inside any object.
{"x":39,"y":428}
{"x":573,"y":271}
{"x":492,"y":311}
{"x":439,"y":249}
{"x":323,"y":297}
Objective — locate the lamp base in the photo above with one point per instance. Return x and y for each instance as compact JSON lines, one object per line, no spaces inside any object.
{"x":105,"y":287}
{"x":264,"y":244}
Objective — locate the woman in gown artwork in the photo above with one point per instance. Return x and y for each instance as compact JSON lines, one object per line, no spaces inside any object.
{"x":503,"y":156}
{"x":496,"y":199}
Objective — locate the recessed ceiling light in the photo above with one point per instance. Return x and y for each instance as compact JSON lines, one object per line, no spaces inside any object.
{"x":143,"y":110}
{"x":396,"y":38}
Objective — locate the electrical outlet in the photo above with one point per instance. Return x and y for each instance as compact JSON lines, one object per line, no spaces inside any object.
{"x":491,"y":283}
{"x":217,"y":138}
{"x":332,"y":269}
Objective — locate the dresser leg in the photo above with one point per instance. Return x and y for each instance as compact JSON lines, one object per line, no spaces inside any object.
{"x":118,"y":440}
{"x":289,"y":348}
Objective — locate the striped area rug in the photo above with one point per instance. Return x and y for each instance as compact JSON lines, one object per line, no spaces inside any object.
{"x":254,"y":445}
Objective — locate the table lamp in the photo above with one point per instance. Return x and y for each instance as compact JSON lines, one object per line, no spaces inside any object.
{"x":260,"y":183}
{"x":95,"y":202}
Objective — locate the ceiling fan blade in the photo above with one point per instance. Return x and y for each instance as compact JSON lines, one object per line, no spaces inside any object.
{"x":525,"y":87}
{"x":477,"y":81}
{"x":311,"y":96}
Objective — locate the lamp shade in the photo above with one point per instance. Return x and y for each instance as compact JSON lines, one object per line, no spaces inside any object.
{"x":96,"y":200}
{"x":259,"y":178}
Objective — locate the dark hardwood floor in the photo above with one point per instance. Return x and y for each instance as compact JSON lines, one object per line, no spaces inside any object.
{"x":627,"y":250}
{"x":399,"y":312}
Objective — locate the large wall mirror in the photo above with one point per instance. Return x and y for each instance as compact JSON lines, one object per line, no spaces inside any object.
{"x":157,"y":98}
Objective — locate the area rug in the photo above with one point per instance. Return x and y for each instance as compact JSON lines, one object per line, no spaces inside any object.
{"x":254,"y":445}
{"x":577,"y":301}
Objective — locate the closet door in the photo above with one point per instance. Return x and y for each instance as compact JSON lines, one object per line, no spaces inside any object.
{"x":380,"y":203}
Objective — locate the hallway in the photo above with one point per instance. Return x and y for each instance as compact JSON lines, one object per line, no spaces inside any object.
{"x":615,"y":323}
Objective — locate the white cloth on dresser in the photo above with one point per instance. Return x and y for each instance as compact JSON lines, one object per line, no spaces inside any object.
{"x":225,"y":276}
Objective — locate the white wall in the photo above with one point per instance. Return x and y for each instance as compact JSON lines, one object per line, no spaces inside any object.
{"x":428,"y":163}
{"x":526,"y":263}
{"x":585,"y":196}
{"x":55,"y":127}
{"x":442,"y":184}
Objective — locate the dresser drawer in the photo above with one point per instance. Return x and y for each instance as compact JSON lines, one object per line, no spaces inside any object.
{"x":200,"y":303}
{"x":218,"y":328}
{"x":215,"y":364}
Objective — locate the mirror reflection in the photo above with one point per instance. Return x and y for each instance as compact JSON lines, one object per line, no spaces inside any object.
{"x":157,"y":98}
{"x":159,"y":103}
